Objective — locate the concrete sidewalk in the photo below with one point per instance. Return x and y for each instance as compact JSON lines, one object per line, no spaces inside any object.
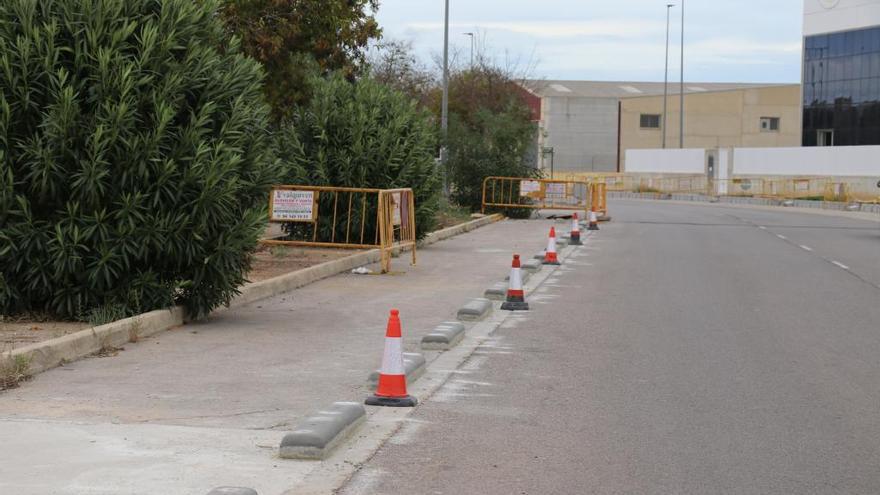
{"x":206,"y":404}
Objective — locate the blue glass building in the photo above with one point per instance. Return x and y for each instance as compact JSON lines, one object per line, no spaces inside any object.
{"x":841,"y":88}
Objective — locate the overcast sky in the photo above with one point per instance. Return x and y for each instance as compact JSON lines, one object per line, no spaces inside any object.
{"x":725,"y":40}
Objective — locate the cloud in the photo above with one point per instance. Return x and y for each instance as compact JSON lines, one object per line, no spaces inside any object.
{"x":628,"y":28}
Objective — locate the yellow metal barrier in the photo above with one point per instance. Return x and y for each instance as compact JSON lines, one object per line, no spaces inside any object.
{"x":599,"y":198}
{"x":538,"y":194}
{"x":345,"y":217}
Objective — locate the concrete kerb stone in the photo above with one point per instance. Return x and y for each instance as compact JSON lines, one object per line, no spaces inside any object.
{"x":42,"y":356}
{"x":532,"y":266}
{"x":444,"y":337}
{"x":475,"y":310}
{"x":232,"y":490}
{"x":497,"y":292}
{"x":413,"y":366}
{"x":48,"y":354}
{"x":317,"y":435}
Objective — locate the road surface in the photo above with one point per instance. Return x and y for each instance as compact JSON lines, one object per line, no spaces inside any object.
{"x":687,"y":349}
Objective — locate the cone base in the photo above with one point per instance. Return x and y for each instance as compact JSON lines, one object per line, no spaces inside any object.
{"x":406,"y":401}
{"x":593,"y":227}
{"x":576,"y":242}
{"x":515,"y":306}
{"x":550,"y":263}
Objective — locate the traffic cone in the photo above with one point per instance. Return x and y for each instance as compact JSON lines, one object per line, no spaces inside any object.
{"x":550,"y":256}
{"x":391,"y":390}
{"x":594,"y":222}
{"x":575,"y":231}
{"x":516,"y":297}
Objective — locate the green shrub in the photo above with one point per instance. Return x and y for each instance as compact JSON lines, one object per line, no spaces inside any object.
{"x":494,"y":144}
{"x":363,"y":134}
{"x":134,"y":156}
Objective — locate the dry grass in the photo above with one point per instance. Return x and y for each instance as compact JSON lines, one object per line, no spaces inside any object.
{"x":13,"y":370}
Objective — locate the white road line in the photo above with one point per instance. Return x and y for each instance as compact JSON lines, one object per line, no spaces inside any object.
{"x":762,"y":227}
{"x":781,"y":236}
{"x":806,"y":248}
{"x":841,"y":265}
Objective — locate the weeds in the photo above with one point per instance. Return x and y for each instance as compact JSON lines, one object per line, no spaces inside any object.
{"x":13,"y":370}
{"x":106,"y":314}
{"x":279,"y":251}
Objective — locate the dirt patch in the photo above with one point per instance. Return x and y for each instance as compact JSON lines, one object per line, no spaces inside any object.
{"x":272,"y":261}
{"x":20,"y":333}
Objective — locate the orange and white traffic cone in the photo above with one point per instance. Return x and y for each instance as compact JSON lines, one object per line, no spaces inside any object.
{"x":594,"y":222}
{"x":550,"y":256}
{"x":575,"y":231}
{"x":391,"y":390}
{"x":516,"y":296}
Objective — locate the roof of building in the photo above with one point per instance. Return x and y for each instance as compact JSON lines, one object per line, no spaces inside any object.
{"x":625,"y":89}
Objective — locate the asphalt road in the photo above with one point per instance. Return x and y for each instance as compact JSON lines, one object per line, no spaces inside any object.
{"x":686,"y":349}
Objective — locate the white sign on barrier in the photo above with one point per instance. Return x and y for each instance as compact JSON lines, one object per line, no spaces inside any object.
{"x":529,"y":187}
{"x":293,"y":206}
{"x":555,"y":190}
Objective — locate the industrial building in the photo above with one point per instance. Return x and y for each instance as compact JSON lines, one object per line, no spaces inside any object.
{"x":579,"y":121}
{"x":753,"y":117}
{"x":841,"y":73}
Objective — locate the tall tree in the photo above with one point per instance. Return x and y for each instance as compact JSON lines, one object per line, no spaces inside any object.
{"x":296,"y":38}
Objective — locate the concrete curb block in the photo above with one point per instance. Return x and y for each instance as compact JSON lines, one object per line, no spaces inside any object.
{"x":413,"y":366}
{"x":533,"y":265}
{"x":539,"y":256}
{"x":316,"y":436}
{"x":561,"y":242}
{"x":444,"y":336}
{"x":232,"y":490}
{"x":475,"y":310}
{"x":497,"y":292}
{"x":48,"y":354}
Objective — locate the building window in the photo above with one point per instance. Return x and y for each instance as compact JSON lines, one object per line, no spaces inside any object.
{"x":770,"y":124}
{"x":825,"y":137}
{"x":649,"y":121}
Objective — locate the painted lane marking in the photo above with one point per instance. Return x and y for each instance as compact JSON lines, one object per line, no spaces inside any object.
{"x":781,"y":236}
{"x":762,"y":227}
{"x":839,"y":264}
{"x":806,"y":248}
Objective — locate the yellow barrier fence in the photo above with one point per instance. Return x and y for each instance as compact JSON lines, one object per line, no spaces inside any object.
{"x":538,"y":194}
{"x":345,"y":217}
{"x":599,"y":198}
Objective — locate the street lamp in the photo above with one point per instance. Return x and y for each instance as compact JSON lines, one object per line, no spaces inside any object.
{"x":666,"y":73}
{"x":472,"y":47}
{"x":444,"y":105}
{"x":681,"y":96}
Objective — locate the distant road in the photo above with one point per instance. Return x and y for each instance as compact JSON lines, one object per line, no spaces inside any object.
{"x":689,"y":349}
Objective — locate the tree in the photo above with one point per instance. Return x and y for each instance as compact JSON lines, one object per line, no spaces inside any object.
{"x":364,"y":134}
{"x":296,"y":38}
{"x":134,"y":156}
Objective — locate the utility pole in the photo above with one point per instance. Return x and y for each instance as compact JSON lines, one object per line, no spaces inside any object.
{"x":666,"y":74}
{"x":472,"y":48}
{"x":681,"y":96}
{"x":444,"y":106}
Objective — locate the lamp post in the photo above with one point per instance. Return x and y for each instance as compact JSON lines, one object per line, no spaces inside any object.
{"x":666,"y":73}
{"x":472,"y":48}
{"x":444,"y":105}
{"x":681,"y":90}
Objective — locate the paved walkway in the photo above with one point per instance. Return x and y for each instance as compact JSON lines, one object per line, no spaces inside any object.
{"x":206,"y":404}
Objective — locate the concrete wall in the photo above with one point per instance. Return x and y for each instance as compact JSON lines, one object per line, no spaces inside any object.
{"x":715,"y":119}
{"x":668,"y":161}
{"x":582,"y":132}
{"x":839,"y":161}
{"x":828,"y":16}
